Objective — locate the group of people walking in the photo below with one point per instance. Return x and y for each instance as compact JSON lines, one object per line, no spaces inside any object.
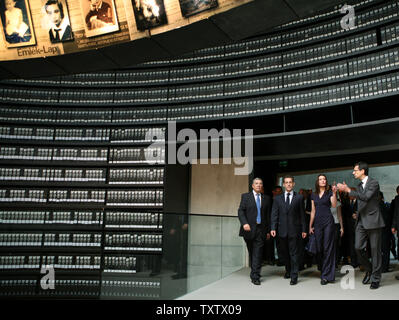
{"x":284,"y":217}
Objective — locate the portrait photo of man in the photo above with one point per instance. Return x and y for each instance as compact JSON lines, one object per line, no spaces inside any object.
{"x":60,"y":28}
{"x":100,"y":17}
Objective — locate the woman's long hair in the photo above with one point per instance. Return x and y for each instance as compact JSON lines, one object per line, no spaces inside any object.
{"x":317,"y":187}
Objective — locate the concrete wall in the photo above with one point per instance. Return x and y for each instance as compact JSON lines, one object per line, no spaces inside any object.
{"x":215,"y":189}
{"x":214,"y":247}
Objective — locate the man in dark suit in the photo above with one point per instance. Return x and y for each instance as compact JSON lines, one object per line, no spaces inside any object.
{"x":395,"y":222}
{"x":253,"y":214}
{"x":386,"y":233}
{"x":288,"y":217}
{"x":369,"y":223}
{"x":351,"y":230}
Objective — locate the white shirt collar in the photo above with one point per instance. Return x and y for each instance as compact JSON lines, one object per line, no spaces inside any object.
{"x":364,"y":181}
{"x":63,"y":25}
{"x":255,"y":193}
{"x":291,"y":193}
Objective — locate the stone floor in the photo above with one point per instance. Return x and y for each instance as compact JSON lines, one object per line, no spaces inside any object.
{"x":238,"y":286}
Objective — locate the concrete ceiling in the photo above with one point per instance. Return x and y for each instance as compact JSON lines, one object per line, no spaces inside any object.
{"x":236,"y":24}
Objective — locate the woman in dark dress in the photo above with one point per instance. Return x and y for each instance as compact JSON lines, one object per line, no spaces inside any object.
{"x":323,"y":227}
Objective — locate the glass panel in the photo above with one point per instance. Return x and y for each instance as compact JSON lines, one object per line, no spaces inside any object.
{"x":204,"y":251}
{"x":233,"y":246}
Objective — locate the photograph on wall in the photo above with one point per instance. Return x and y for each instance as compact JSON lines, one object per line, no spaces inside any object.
{"x":17,"y":23}
{"x":100,"y":17}
{"x":192,"y":7}
{"x":149,"y":13}
{"x":56,"y":21}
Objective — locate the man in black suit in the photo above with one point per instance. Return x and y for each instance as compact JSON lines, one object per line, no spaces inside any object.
{"x":288,"y":217}
{"x":253,"y":214}
{"x":395,"y":222}
{"x":369,"y":223}
{"x":351,"y":230}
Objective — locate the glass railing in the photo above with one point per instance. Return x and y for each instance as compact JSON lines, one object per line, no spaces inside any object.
{"x":167,"y":259}
{"x":197,"y":250}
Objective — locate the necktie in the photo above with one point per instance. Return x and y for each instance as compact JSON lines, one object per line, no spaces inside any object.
{"x":287,"y":200}
{"x":57,"y":34}
{"x":258,"y":207}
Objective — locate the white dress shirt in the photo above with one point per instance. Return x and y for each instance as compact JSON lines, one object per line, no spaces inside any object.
{"x":364,"y":181}
{"x":291,"y":195}
{"x":64,"y":24}
{"x":260,"y":197}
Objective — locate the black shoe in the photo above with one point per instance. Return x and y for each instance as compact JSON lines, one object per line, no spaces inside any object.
{"x":366,"y":278}
{"x":287,"y":275}
{"x":256,"y":282}
{"x":301,"y":268}
{"x":279,"y":264}
{"x":397,"y":277}
{"x":293,"y":282}
{"x":374,"y":285}
{"x":323,"y":282}
{"x":309,"y":265}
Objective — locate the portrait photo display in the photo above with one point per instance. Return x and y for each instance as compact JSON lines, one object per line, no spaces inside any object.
{"x":99,"y":16}
{"x":56,"y":21}
{"x":149,"y":14}
{"x":16,"y":23}
{"x":192,"y":7}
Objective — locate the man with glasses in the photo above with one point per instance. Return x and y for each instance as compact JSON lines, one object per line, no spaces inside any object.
{"x":369,"y":222}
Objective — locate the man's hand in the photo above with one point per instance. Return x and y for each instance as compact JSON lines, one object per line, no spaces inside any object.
{"x":354,"y":216}
{"x":273,"y":233}
{"x":343,"y":187}
{"x":268,"y":236}
{"x":394,"y":230}
{"x":303,"y":235}
{"x":247,"y":227}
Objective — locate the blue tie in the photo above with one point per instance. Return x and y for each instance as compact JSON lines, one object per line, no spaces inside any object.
{"x":258,"y":207}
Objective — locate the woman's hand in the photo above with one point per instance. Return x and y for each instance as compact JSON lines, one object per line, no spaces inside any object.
{"x":342,"y":232}
{"x":311,"y":230}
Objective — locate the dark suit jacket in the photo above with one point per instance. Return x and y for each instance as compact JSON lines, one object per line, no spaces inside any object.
{"x":247,"y":213}
{"x":65,"y":37}
{"x":288,"y":220}
{"x":395,"y":212}
{"x":368,"y":205}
